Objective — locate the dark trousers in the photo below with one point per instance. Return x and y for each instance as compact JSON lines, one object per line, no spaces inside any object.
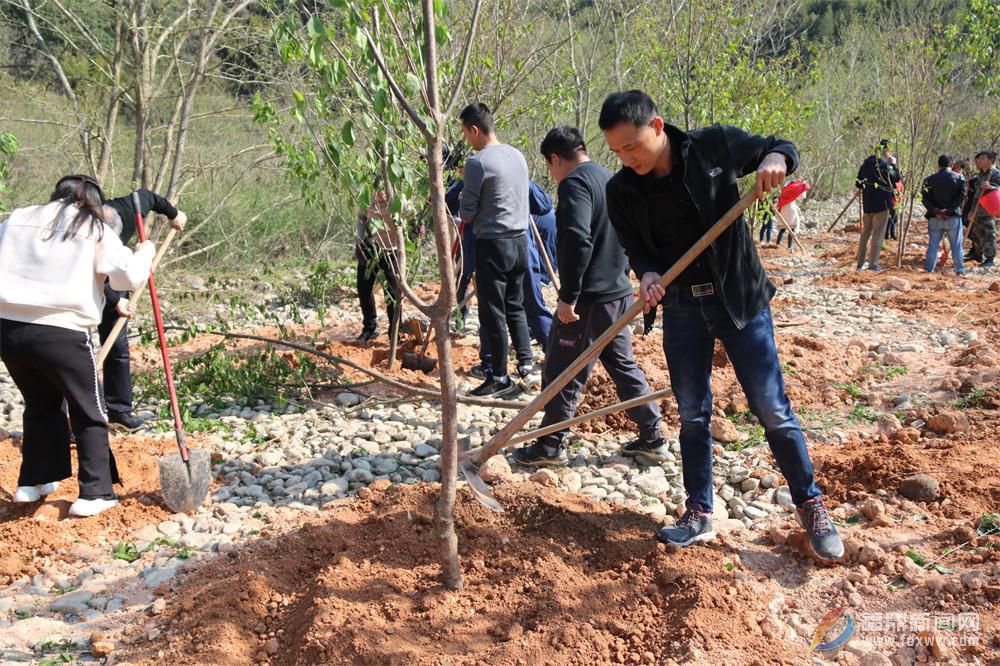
{"x":781,"y":233}
{"x":765,"y":230}
{"x":690,"y":327}
{"x":371,"y":262}
{"x":501,"y":269}
{"x":890,"y":227}
{"x":117,"y":365}
{"x":538,"y":315}
{"x":568,"y":341}
{"x":51,"y":364}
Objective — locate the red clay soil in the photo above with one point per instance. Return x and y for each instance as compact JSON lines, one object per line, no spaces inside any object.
{"x":556,"y":579}
{"x":31,"y":534}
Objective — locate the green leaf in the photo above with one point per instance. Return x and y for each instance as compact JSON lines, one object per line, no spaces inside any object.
{"x":360,"y":37}
{"x":916,"y":557}
{"x":347,"y":133}
{"x":315,"y":27}
{"x":941,"y":569}
{"x":412,"y":85}
{"x":396,"y":205}
{"x":381,"y":100}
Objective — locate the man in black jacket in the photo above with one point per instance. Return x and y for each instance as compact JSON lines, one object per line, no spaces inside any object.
{"x":672,"y":188}
{"x":877,"y":182}
{"x":942,"y":196}
{"x":117,"y":366}
{"x":982,"y":225}
{"x":594,"y":291}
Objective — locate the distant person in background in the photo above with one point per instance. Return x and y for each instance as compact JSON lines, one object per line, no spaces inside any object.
{"x":982,"y":225}
{"x":766,"y":227}
{"x":375,"y":252}
{"x":942,"y":195}
{"x":789,"y":210}
{"x":54,"y":259}
{"x":875,"y":180}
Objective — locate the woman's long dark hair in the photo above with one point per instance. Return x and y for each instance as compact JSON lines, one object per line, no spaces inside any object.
{"x":86,"y":193}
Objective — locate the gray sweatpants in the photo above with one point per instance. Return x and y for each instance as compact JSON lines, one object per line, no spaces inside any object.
{"x":568,"y":341}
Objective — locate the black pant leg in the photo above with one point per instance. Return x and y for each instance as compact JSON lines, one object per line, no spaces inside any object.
{"x":117,"y":364}
{"x":366,"y":276}
{"x":491,"y":287}
{"x":393,"y":293}
{"x":45,"y":452}
{"x":515,"y":314}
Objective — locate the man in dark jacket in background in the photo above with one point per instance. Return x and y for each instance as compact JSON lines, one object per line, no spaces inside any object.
{"x":594,"y":291}
{"x":982,"y":225}
{"x":672,"y":187}
{"x":117,"y":366}
{"x":942,"y":195}
{"x":878,"y":187}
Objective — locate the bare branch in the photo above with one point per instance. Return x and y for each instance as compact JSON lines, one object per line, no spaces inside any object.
{"x":466,"y":52}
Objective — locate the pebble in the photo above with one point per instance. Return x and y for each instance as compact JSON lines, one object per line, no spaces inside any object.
{"x":72,"y":603}
{"x":920,"y":488}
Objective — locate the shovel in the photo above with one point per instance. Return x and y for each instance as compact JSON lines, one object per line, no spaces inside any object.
{"x":471,"y":461}
{"x":185,"y":477}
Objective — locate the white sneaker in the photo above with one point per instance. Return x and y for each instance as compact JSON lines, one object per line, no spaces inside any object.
{"x":85,"y":508}
{"x":25,"y":494}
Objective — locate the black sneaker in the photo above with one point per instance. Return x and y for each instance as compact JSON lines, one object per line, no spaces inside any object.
{"x":972,"y":256}
{"x":125,"y":419}
{"x":368,"y":334}
{"x":815,"y":520}
{"x":650,"y":453}
{"x":494,"y":387}
{"x":524,"y":370}
{"x":987,"y":264}
{"x":695,"y":525}
{"x":538,"y":454}
{"x":480,"y":372}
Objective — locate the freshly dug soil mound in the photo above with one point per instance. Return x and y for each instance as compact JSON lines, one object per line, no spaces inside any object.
{"x":556,"y":579}
{"x":30,"y":533}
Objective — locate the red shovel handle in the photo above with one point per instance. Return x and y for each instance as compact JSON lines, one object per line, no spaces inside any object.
{"x":154,"y":299}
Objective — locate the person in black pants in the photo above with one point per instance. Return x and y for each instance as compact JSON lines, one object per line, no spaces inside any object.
{"x":53,"y":260}
{"x":374,"y":250}
{"x":495,"y":202}
{"x":594,"y":291}
{"x":117,"y":365}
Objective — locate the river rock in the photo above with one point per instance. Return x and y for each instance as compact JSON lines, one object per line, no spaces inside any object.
{"x":920,"y":488}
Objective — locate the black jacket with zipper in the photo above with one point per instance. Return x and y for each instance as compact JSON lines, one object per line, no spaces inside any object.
{"x":714,"y":159}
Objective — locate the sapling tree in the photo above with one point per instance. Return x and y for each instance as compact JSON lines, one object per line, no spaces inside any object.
{"x":369,"y":112}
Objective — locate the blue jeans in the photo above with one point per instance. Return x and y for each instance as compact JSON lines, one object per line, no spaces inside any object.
{"x":690,"y":328}
{"x":936,"y":230}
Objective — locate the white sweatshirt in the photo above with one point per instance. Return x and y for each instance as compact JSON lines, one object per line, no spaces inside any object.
{"x":47,"y":280}
{"x":793,"y":216}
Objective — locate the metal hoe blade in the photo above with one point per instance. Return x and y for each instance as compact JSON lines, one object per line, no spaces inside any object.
{"x":470,"y":470}
{"x":185,"y":485}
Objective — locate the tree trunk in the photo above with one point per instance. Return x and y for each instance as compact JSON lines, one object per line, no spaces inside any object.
{"x":443,"y":236}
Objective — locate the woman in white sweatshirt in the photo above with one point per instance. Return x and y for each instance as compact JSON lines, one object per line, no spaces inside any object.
{"x":53,"y":262}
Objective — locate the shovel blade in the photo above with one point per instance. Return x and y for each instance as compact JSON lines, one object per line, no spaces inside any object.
{"x":185,"y":490}
{"x":470,"y":470}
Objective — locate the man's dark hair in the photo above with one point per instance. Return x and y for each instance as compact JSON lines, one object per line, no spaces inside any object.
{"x":633,"y":106}
{"x":944,"y":161}
{"x":884,"y":143}
{"x":564,"y":141}
{"x":988,"y":154}
{"x":478,"y":115}
{"x":962,"y":164}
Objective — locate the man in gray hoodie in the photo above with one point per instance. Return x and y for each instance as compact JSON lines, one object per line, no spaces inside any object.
{"x":495,"y":202}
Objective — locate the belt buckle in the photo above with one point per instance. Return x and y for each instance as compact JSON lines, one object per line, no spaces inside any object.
{"x":705,"y":289}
